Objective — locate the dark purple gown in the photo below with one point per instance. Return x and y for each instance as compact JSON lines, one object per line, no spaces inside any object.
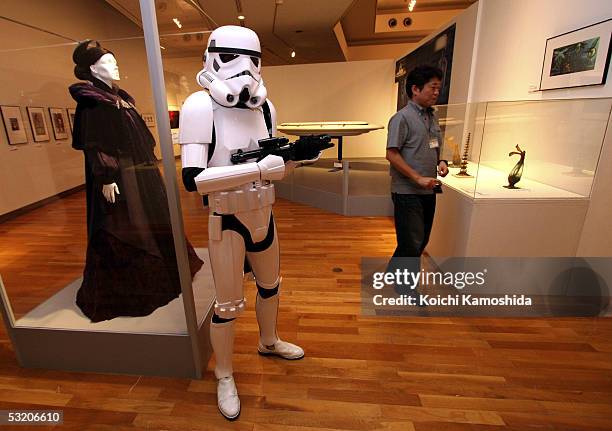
{"x":130,"y":267}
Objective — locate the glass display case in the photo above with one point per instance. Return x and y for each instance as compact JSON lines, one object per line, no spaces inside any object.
{"x":88,"y":283}
{"x":522,"y":185}
{"x":525,"y":149}
{"x":360,"y":188}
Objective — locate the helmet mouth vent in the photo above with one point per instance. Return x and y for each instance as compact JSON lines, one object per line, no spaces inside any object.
{"x":244,"y":95}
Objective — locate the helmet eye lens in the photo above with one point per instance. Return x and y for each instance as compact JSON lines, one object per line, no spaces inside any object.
{"x":255,"y":61}
{"x":225,"y":58}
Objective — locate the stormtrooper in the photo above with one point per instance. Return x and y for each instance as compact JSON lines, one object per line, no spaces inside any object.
{"x":233,"y":114}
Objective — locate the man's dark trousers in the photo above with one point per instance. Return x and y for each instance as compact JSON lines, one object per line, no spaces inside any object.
{"x":414,"y":215}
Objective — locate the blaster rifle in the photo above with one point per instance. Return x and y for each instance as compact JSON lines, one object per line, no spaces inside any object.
{"x":305,"y":148}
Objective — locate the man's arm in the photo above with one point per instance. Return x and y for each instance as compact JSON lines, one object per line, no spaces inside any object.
{"x":395,"y":158}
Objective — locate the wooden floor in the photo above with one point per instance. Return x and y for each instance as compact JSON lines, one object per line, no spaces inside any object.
{"x":359,"y":373}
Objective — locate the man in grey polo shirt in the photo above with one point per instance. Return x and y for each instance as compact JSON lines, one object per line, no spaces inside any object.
{"x":413,"y":150}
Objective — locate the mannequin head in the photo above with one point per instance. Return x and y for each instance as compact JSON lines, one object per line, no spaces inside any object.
{"x":232,"y":67}
{"x":94,"y":61}
{"x":105,"y":69}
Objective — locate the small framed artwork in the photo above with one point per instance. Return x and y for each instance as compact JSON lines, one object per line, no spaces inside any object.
{"x":71,"y":114}
{"x":174,"y":119}
{"x":577,"y":58}
{"x":13,"y":124}
{"x":149,"y":119}
{"x":59,"y":121}
{"x":40,"y":131}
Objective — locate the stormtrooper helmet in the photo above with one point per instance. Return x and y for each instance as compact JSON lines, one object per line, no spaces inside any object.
{"x":232,"y":67}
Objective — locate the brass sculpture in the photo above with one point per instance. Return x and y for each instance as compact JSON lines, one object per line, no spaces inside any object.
{"x":463,"y":171}
{"x":517,"y":171}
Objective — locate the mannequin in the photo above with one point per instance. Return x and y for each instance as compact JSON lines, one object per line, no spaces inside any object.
{"x":130,"y":267}
{"x":232,"y":114}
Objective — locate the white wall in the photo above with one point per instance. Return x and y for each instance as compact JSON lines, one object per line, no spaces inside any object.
{"x":511,"y":42}
{"x":354,"y":91}
{"x":40,"y":77}
{"x":511,"y":39}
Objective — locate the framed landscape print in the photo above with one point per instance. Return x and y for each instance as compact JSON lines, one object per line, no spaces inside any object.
{"x":577,"y":58}
{"x":71,"y":113}
{"x":59,"y":122}
{"x":13,"y":124}
{"x":40,"y":131}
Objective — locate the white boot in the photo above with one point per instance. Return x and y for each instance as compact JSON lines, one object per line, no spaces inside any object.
{"x":222,"y":340}
{"x":269,"y":343}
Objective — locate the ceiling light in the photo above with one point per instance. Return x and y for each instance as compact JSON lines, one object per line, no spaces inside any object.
{"x":161,"y":47}
{"x":292,"y":54}
{"x":241,"y":17}
{"x":411,"y":5}
{"x":177,"y":22}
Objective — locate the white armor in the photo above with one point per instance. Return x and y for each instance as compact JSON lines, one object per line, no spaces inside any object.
{"x":231,"y":114}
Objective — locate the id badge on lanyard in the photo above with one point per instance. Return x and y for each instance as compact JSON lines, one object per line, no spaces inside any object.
{"x":433,"y":139}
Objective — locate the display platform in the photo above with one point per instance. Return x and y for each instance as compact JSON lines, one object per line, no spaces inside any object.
{"x":332,"y":128}
{"x":361,"y":188}
{"x":56,"y":335}
{"x":336,"y":129}
{"x":490,"y":185}
{"x":310,"y":185}
{"x":61,"y":312}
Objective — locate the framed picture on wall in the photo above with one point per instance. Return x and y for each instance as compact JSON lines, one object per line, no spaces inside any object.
{"x":174,"y":119}
{"x":149,"y":119}
{"x":71,"y":114}
{"x":577,"y":58}
{"x":59,"y":122}
{"x":437,"y":52}
{"x":40,"y":131}
{"x":13,"y":124}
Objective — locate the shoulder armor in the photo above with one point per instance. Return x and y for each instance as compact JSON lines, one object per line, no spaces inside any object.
{"x":196,"y":119}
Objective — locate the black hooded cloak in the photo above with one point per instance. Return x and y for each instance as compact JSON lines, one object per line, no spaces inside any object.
{"x":130,"y":267}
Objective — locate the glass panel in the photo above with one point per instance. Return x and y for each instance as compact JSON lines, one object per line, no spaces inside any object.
{"x":462,"y":131}
{"x":561,"y":139}
{"x":183,"y":36}
{"x":369,"y":177}
{"x":129,"y":266}
{"x":554,"y":164}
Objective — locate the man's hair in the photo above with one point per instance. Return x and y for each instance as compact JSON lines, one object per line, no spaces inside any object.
{"x":420,"y":76}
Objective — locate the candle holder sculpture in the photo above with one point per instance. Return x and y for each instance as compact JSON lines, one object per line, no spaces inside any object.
{"x":517,"y":171}
{"x":463,"y":171}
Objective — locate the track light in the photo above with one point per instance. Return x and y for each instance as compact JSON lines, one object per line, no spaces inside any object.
{"x":177,"y":22}
{"x":411,"y":5}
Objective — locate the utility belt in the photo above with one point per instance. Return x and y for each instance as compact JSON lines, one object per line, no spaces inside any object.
{"x":249,"y":198}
